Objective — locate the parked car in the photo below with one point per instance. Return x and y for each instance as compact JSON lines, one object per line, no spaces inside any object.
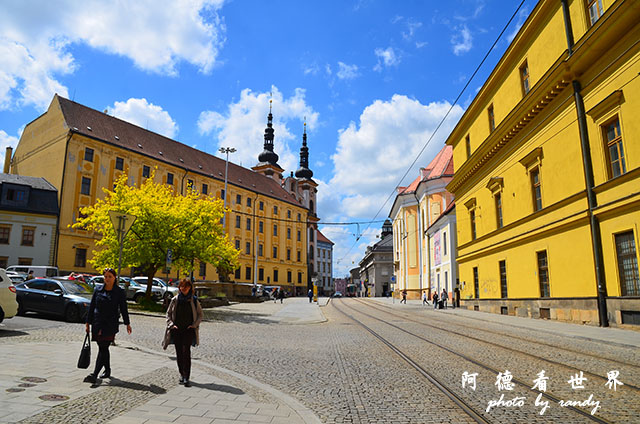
{"x":37,"y":271}
{"x":57,"y":297}
{"x":167,"y":291}
{"x":8,"y":303}
{"x":16,"y":277}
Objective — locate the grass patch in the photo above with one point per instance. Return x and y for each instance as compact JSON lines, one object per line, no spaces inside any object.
{"x":147,"y":305}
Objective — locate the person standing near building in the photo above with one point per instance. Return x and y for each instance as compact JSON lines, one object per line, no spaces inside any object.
{"x":310,"y":295}
{"x":424,"y":298}
{"x":434,"y":299}
{"x":404,"y":296}
{"x":183,"y":320}
{"x":107,"y":304}
{"x":281,"y":294}
{"x":444,"y":297}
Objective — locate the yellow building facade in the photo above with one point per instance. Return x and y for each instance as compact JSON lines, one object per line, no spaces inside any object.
{"x":80,"y":150}
{"x":548,"y":168}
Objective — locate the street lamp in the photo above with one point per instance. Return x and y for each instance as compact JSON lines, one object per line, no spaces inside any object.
{"x":226,"y":150}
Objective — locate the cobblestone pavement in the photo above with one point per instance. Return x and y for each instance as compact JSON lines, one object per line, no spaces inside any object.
{"x":345,"y":375}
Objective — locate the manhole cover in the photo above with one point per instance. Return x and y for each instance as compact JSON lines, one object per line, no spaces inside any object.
{"x":53,"y":397}
{"x":34,"y":379}
{"x":26,"y":385}
{"x":14,"y":390}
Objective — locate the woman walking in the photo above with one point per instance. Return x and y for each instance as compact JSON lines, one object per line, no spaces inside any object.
{"x":183,"y":319}
{"x":107,"y":304}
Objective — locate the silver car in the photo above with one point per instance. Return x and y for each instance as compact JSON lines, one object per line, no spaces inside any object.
{"x":167,"y":291}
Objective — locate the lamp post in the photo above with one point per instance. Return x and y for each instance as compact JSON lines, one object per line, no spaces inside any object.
{"x":226,"y":150}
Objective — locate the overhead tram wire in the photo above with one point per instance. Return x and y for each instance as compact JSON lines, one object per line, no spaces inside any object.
{"x":294,"y":221}
{"x":440,"y":123}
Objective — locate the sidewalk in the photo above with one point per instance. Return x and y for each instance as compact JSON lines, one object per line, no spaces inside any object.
{"x":39,"y":383}
{"x":587,"y":332}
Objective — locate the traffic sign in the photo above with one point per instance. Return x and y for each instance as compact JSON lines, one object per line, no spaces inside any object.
{"x":122,"y":222}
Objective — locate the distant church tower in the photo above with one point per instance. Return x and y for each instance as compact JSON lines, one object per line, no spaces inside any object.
{"x":268,"y":159}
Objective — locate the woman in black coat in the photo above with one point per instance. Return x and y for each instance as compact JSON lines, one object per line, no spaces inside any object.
{"x":107,"y":303}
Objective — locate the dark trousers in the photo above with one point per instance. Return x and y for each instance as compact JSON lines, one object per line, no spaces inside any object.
{"x":182,"y":340}
{"x":104,"y":358}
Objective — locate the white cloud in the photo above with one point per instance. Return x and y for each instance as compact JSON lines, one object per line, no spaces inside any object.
{"x":412,"y":27}
{"x":347,"y":71}
{"x":388,"y":137}
{"x":6,"y":140}
{"x":146,"y":115}
{"x":522,"y":16}
{"x":242,"y":126}
{"x":386,"y":57}
{"x":462,"y":41}
{"x":155,"y":34}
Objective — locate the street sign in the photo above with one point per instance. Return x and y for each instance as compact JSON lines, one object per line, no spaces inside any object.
{"x":122,"y":223}
{"x":393,"y":278}
{"x":169,"y":258}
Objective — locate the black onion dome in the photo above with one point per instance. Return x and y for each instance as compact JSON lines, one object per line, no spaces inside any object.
{"x":304,"y":171}
{"x":268,"y":155}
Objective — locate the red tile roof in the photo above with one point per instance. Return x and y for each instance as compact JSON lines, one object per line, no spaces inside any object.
{"x":100,"y":126}
{"x":440,"y":166}
{"x":321,"y":237}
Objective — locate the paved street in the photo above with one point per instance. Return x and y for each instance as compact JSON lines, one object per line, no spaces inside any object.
{"x":338,"y":363}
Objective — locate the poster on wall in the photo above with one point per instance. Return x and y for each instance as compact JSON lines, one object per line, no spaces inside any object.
{"x":436,"y":248}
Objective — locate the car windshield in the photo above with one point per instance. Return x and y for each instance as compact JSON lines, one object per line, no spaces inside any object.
{"x":73,"y":288}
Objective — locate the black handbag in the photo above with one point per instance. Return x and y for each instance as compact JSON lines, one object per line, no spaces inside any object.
{"x":85,"y":354}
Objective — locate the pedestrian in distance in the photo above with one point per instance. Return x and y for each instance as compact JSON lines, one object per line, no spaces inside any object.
{"x":275,"y":295}
{"x":281,"y":295}
{"x":310,"y":294}
{"x":434,"y":299}
{"x":183,"y":321}
{"x":30,"y":276}
{"x":107,"y":304}
{"x":404,"y":296}
{"x":444,"y":297}
{"x":424,"y":298}
{"x":457,"y":297}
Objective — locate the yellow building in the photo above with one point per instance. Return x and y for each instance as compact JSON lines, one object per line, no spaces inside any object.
{"x":548,"y":169}
{"x":415,"y":208}
{"x":80,"y":150}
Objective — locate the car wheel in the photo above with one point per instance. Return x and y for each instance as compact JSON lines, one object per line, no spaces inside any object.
{"x":138,"y":297}
{"x":72,"y":314}
{"x":21,"y":311}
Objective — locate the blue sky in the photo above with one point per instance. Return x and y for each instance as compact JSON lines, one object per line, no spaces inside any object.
{"x":373,"y":79}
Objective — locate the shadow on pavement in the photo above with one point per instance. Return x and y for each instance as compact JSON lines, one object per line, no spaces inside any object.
{"x":229,"y":316}
{"x":115,"y":382}
{"x":218,"y":388}
{"x":12,"y":333}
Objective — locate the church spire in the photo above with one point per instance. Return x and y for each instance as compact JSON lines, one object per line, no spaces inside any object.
{"x":304,"y":171}
{"x":268,"y":155}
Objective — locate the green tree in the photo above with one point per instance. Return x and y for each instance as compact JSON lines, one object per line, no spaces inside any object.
{"x":188,"y":224}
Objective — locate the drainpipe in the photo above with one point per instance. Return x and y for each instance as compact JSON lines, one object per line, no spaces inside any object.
{"x":419,"y":243}
{"x":57,"y":234}
{"x":587,"y":164}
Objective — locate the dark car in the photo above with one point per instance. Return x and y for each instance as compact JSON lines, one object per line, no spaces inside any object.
{"x":63,"y":298}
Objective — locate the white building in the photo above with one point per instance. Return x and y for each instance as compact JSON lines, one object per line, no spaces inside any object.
{"x":441,"y":236}
{"x":324,"y":270}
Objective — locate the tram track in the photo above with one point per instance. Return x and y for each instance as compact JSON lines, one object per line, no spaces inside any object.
{"x":414,"y":364}
{"x":493,"y":344}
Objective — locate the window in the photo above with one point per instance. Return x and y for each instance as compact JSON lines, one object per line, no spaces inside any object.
{"x":146,"y":171}
{"x":205,"y":189}
{"x":261,"y":274}
{"x":524,"y":78}
{"x":289,"y":214}
{"x":169,"y":178}
{"x":260,"y":249}
{"x":543,"y":274}
{"x":275,"y":210}
{"x":222,"y":194}
{"x":4,"y":261}
{"x":248,"y":224}
{"x":5,"y":233}
{"x":247,"y":273}
{"x":472,"y":220}
{"x":237,"y":244}
{"x":81,"y":258}
{"x":288,"y":254}
{"x":476,"y":284}
{"x":247,"y":248}
{"x":238,"y":219}
{"x":498,"y":201}
{"x":81,"y":215}
{"x":120,"y":164}
{"x":503,"y":279}
{"x":261,"y":205}
{"x":536,"y":189}
{"x":261,"y":227}
{"x":288,"y":276}
{"x":492,"y":119}
{"x":299,"y":278}
{"x":249,"y":201}
{"x":237,"y":273}
{"x":289,"y":233}
{"x":615,"y":151}
{"x":16,"y":196}
{"x":595,"y":10}
{"x":467,"y":143}
{"x":27,"y":236}
{"x":25,"y":261}
{"x":238,"y":199}
{"x":275,"y":275}
{"x":627,"y":264}
{"x":190,"y":184}
{"x":275,"y":229}
{"x":275,"y":252}
{"x":85,"y":188}
{"x":298,"y":235}
{"x":203,"y":269}
{"x":311,"y":235}
{"x":88,"y":154}
{"x":444,"y":243}
{"x":299,"y":254}
{"x":299,"y":217}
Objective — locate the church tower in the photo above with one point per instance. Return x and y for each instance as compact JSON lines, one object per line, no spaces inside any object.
{"x":268,"y":159}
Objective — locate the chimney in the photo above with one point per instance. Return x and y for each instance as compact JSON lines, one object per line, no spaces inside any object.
{"x":7,"y":160}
